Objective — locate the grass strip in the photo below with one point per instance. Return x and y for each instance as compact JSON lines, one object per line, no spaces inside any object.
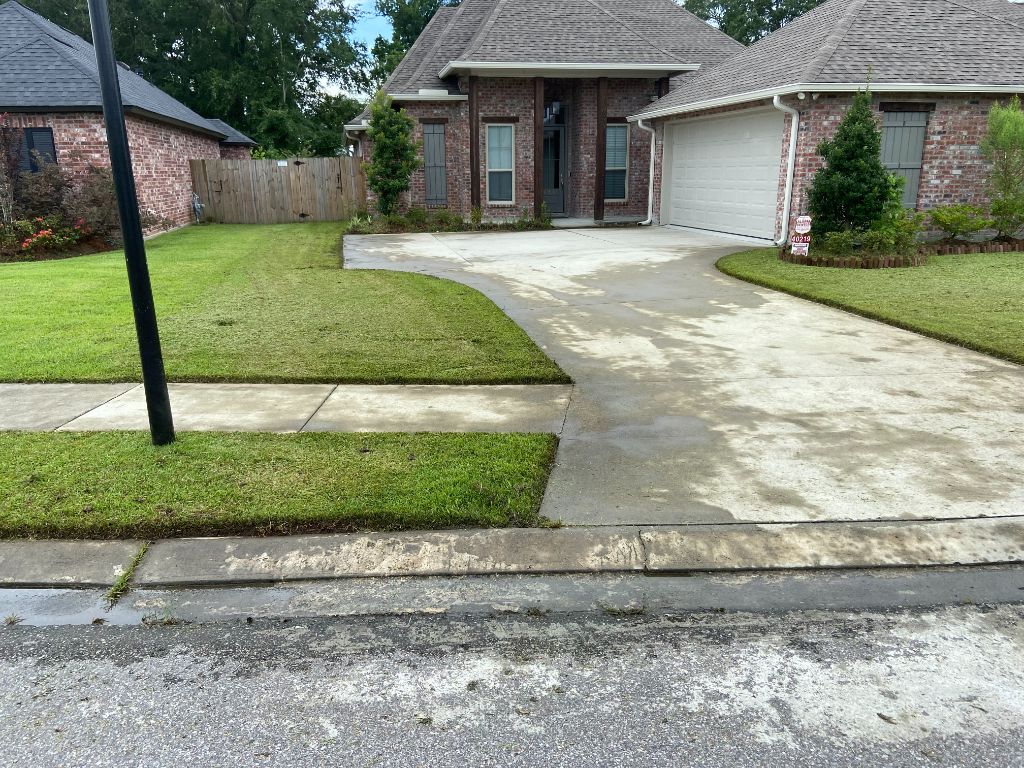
{"x":120,"y":587}
{"x":974,"y":300}
{"x":109,"y":485}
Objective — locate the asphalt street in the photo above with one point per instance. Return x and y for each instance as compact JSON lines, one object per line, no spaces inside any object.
{"x":917,"y":687}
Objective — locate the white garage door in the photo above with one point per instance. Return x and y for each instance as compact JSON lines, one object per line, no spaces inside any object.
{"x":724,"y":173}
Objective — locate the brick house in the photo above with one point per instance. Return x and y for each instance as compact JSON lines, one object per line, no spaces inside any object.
{"x":49,"y":87}
{"x":518,"y":103}
{"x":728,"y":159}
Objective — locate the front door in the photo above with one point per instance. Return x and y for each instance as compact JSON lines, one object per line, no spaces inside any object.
{"x":554,"y":169}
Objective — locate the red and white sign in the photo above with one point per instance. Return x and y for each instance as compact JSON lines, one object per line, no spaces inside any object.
{"x":801,"y":244}
{"x":803,"y":225}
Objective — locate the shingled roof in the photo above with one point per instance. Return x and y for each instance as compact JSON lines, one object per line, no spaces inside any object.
{"x":46,"y":68}
{"x":968,"y":45}
{"x":528,"y":33}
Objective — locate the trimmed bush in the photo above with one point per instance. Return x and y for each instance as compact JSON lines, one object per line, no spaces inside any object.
{"x":961,"y":221}
{"x":851,"y":191}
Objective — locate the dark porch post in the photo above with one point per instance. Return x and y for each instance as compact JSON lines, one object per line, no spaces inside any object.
{"x":599,"y":152}
{"x":474,"y":141}
{"x":538,"y":146}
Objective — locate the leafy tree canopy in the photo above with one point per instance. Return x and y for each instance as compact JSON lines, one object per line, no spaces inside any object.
{"x":408,"y":19}
{"x":749,"y":20}
{"x":258,"y":64}
{"x":394,"y":155}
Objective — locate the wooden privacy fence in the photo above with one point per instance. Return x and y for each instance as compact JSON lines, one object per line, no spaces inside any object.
{"x":279,"y":191}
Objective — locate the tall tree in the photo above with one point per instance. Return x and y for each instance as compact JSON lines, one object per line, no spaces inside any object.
{"x":749,"y":20}
{"x":261,"y":65}
{"x":408,"y":19}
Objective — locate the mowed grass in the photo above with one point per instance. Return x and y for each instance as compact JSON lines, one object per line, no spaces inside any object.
{"x":117,"y":485}
{"x":240,"y":303}
{"x":975,"y":300}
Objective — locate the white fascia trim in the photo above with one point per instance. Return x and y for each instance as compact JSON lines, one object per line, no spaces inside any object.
{"x":787,"y":90}
{"x":428,"y":97}
{"x":504,"y":66}
{"x":357,"y":127}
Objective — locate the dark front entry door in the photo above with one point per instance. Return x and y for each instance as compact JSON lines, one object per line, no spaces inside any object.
{"x":554,"y":169}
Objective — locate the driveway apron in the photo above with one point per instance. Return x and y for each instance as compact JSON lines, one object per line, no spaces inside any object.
{"x":703,"y":399}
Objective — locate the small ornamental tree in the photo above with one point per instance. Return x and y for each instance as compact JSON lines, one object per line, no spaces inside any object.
{"x":851,"y":190}
{"x":394,"y":154}
{"x":1004,"y":149}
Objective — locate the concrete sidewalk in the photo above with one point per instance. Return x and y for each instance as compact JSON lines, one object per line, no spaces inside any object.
{"x":289,"y":407}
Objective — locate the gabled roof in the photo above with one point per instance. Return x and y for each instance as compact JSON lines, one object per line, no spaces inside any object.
{"x":955,"y":45}
{"x":233,"y":136}
{"x":511,"y":36}
{"x":45,"y":67}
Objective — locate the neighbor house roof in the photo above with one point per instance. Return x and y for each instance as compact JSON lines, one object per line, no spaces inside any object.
{"x":553,"y":37}
{"x":954,"y":45}
{"x":232,"y":135}
{"x":46,"y":68}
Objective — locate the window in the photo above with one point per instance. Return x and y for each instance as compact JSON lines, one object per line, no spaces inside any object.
{"x":434,"y":166}
{"x":903,"y":149}
{"x":36,"y":147}
{"x":500,"y":164}
{"x":616,"y":162}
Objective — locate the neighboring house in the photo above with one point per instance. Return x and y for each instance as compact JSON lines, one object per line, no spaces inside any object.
{"x":49,"y":86}
{"x":726,"y":156}
{"x":524,"y":102}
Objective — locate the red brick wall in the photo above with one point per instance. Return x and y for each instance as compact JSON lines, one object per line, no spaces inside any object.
{"x":514,"y":97}
{"x":954,"y":170}
{"x":235,"y":152}
{"x":160,"y":155}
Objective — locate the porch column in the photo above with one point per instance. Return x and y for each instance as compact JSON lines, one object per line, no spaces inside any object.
{"x":600,"y":148}
{"x":474,"y":141}
{"x":538,"y":146}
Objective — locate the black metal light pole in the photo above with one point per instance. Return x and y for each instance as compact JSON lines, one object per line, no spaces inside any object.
{"x":154,"y":380}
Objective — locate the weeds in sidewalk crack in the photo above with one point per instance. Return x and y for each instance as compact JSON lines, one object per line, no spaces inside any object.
{"x":118,"y":589}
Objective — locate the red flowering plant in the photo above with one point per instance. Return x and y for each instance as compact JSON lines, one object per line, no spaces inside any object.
{"x":49,"y":233}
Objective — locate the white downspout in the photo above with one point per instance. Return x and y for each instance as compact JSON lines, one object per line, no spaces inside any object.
{"x":650,"y":183}
{"x":787,"y":205}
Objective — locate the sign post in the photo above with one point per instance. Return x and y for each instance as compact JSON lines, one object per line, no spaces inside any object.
{"x":154,"y":380}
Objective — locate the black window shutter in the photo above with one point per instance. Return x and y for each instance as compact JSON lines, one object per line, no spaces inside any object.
{"x":25,"y":157}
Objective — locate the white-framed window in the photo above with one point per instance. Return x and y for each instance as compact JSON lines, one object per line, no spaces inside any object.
{"x":501,"y":164}
{"x":616,"y":164}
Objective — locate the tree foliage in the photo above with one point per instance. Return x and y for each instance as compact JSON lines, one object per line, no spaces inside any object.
{"x":851,"y":190}
{"x":749,"y":20}
{"x":261,"y":65}
{"x":394,"y":156}
{"x":408,"y":19}
{"x":1004,"y":149}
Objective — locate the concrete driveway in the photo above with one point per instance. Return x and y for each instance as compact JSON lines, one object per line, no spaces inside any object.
{"x":702,"y":399}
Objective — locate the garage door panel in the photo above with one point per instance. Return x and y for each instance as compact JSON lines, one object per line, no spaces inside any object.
{"x":724,"y":173}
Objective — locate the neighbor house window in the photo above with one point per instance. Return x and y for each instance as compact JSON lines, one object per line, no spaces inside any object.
{"x":616,"y":162}
{"x":434,"y":166}
{"x":500,"y":164}
{"x":36,"y":147}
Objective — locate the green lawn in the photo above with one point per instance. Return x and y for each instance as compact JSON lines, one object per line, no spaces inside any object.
{"x":258,"y":303}
{"x":974,"y":300}
{"x":116,"y":485}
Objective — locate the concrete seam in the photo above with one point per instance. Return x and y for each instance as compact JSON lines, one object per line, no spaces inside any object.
{"x":317,"y":409}
{"x":644,"y":557}
{"x":100,"y":405}
{"x":568,"y":405}
{"x":443,"y":244}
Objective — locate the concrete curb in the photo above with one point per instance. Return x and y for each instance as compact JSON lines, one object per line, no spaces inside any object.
{"x":696,"y":548}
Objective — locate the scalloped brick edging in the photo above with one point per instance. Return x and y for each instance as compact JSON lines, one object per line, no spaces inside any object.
{"x":855,"y":262}
{"x":959,"y":249}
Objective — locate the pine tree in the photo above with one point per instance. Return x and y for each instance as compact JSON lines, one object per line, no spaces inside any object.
{"x":394,"y":155}
{"x":850,"y":192}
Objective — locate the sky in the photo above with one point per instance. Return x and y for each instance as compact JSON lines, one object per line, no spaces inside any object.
{"x":369,"y":25}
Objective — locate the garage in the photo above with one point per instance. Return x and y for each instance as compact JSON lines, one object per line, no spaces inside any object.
{"x":723,"y":173}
